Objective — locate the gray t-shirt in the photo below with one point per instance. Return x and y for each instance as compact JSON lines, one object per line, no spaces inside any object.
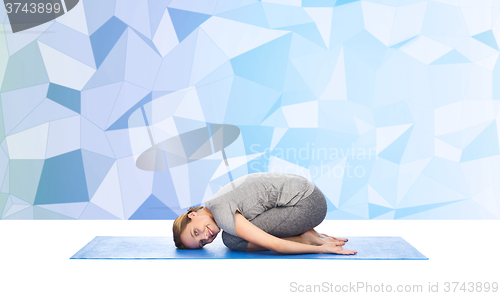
{"x":253,"y":194}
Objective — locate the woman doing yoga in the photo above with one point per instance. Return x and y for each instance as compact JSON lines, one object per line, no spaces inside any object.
{"x":261,"y":211}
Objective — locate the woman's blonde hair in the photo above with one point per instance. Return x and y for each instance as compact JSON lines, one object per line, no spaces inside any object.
{"x":180,"y":224}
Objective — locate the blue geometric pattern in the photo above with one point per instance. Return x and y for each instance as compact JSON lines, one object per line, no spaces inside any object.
{"x":487,"y":38}
{"x":67,"y":97}
{"x":139,"y":109}
{"x":65,"y":170}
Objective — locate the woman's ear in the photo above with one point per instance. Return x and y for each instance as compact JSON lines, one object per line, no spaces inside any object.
{"x":192,"y":214}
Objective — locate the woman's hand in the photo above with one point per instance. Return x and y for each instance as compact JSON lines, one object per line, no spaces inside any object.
{"x":335,"y":248}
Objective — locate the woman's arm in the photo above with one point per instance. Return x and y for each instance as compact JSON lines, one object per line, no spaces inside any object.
{"x":254,"y":247}
{"x":260,"y":240}
{"x":247,"y":231}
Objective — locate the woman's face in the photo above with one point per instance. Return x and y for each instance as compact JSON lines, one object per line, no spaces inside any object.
{"x":200,"y":231}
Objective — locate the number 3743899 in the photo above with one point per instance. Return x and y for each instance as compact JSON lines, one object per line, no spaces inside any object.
{"x":33,"y":7}
{"x":470,"y":287}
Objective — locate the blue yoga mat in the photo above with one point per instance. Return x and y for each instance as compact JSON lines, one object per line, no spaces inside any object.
{"x":143,"y":247}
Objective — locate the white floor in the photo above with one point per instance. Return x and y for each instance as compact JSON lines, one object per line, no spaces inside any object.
{"x":34,"y":260}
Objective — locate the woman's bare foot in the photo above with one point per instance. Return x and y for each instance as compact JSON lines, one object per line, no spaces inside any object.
{"x":325,"y":236}
{"x":311,"y":237}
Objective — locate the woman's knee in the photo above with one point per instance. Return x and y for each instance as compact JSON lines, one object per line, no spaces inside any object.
{"x":318,"y":204}
{"x":234,"y":242}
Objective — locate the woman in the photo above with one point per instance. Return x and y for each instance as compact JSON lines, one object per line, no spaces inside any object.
{"x":261,"y":211}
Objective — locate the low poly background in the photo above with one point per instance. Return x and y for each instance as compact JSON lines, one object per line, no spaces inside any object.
{"x":391,"y":107}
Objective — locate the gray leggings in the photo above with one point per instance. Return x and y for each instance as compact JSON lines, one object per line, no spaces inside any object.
{"x":285,"y":221}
